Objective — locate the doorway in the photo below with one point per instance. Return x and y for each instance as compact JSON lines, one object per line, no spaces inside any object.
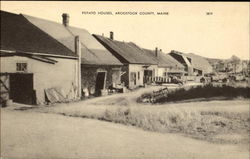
{"x":21,"y":88}
{"x":100,"y":82}
{"x":148,"y":75}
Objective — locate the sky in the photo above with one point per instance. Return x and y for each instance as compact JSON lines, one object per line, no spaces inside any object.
{"x":186,"y":27}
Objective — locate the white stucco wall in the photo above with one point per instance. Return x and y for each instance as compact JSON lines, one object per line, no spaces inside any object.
{"x":161,"y":71}
{"x":138,"y":68}
{"x":155,"y":70}
{"x":61,"y":74}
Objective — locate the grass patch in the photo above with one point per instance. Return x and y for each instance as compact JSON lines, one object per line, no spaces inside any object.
{"x":205,"y":123}
{"x":197,"y":124}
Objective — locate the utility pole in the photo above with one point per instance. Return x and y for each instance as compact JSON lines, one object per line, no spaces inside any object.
{"x":78,"y":66}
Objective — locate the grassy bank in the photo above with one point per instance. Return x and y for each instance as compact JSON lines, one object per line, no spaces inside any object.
{"x":216,"y":124}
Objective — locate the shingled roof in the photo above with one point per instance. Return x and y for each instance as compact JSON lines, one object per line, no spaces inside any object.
{"x":200,"y":62}
{"x":18,"y":34}
{"x":197,"y":61}
{"x":92,"y":51}
{"x":126,"y":52}
{"x":163,"y":59}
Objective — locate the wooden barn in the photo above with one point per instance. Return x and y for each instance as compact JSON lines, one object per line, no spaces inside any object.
{"x":44,"y":61}
{"x":99,"y":68}
{"x":194,"y":64}
{"x":138,"y":68}
{"x":35,"y":68}
{"x":167,"y":65}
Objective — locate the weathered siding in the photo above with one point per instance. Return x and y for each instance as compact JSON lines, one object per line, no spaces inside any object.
{"x":59,"y":75}
{"x":89,"y":74}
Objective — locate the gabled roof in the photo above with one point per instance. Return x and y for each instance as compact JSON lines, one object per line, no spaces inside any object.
{"x":18,"y":34}
{"x":163,"y":60}
{"x":126,"y":52}
{"x":197,"y":61}
{"x":92,"y":51}
{"x":200,"y":63}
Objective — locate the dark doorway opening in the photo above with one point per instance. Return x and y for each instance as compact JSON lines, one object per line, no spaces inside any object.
{"x":100,"y":82}
{"x":21,"y":88}
{"x":148,"y":74}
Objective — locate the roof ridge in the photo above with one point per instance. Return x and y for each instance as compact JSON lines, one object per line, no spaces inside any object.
{"x":51,"y":21}
{"x":9,"y":12}
{"x":127,"y":50}
{"x":66,"y":28}
{"x":102,"y":39}
{"x":37,"y":28}
{"x":80,"y":41}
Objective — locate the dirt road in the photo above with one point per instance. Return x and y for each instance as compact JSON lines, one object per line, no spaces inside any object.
{"x":39,"y":135}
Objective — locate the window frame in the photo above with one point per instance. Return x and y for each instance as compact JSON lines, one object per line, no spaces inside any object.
{"x":21,"y":66}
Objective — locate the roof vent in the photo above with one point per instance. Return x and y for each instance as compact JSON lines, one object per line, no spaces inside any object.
{"x":65,"y":19}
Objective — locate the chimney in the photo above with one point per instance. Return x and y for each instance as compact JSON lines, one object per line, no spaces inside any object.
{"x":111,"y":35}
{"x":156,"y":52}
{"x":65,"y":19}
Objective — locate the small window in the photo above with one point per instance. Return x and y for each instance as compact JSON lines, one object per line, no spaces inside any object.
{"x":21,"y":67}
{"x":138,"y":75}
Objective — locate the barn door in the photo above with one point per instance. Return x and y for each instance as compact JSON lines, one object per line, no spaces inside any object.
{"x":21,"y":88}
{"x":100,"y":82}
